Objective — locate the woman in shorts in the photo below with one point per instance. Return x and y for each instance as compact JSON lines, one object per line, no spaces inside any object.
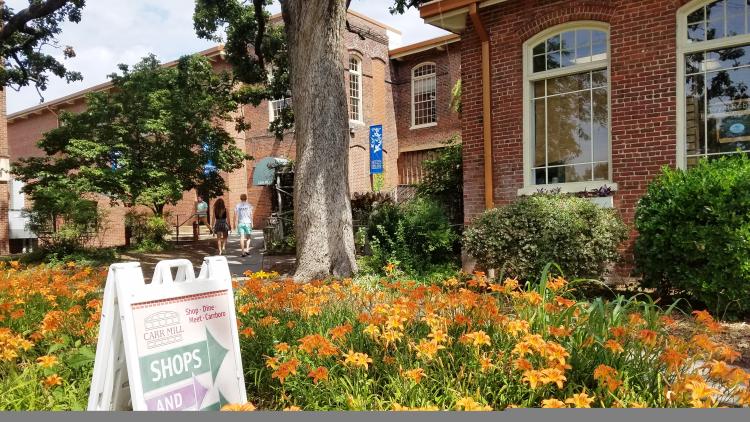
{"x":221,"y":225}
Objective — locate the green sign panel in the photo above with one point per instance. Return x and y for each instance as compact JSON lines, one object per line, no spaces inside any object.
{"x":181,"y":363}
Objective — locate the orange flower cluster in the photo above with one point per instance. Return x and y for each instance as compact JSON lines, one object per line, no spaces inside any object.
{"x":477,"y":331}
{"x":43,"y":306}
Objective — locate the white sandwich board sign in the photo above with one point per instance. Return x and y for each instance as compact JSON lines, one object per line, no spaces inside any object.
{"x":168,"y":345}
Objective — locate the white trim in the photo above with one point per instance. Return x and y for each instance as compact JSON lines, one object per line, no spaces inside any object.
{"x":572,"y":187}
{"x":528,"y":79}
{"x":415,"y":79}
{"x":422,"y":126}
{"x":360,"y":91}
{"x":684,"y":47}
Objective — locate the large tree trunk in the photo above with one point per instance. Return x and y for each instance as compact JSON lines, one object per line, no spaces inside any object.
{"x":322,"y":215}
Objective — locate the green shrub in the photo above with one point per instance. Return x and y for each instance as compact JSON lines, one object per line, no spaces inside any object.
{"x":415,"y":236}
{"x":363,"y":204}
{"x":64,"y":219}
{"x":694,"y":233}
{"x":519,"y":239}
{"x":443,"y":180}
{"x":147,"y":230}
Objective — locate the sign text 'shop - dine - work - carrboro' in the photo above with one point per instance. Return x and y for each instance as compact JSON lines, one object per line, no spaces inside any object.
{"x":168,"y":345}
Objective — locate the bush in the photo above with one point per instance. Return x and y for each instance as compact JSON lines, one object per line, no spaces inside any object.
{"x":64,"y":220}
{"x":147,"y":230}
{"x":363,"y":204}
{"x":443,"y":180}
{"x":415,"y":236}
{"x":694,"y":233}
{"x":521,"y":238}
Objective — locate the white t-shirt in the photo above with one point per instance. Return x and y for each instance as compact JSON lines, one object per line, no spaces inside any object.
{"x":244,"y":212}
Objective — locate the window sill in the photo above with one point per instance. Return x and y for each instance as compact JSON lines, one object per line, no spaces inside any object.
{"x":423,"y":126}
{"x":575,"y":187}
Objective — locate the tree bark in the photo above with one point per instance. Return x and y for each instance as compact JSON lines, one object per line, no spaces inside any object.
{"x":322,"y":215}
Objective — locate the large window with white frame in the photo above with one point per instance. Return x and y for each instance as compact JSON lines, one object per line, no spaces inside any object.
{"x":355,"y":89}
{"x":424,"y":95}
{"x":566,"y":123}
{"x":714,"y":80}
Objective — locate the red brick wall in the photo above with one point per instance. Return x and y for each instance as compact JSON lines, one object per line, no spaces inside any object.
{"x":448,"y":64}
{"x":4,"y":193}
{"x":642,"y":91}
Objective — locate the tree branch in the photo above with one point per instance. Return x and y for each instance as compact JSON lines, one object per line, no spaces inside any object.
{"x":34,"y":11}
{"x":261,"y":32}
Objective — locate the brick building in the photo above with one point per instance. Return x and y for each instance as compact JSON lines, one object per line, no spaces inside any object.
{"x":407,"y":90}
{"x":576,"y":94}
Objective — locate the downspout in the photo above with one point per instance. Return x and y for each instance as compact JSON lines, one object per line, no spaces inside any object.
{"x":489,"y":201}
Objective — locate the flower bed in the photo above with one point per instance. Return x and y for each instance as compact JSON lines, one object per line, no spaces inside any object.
{"x":48,"y":327}
{"x":464,"y":344}
{"x":473,"y":345}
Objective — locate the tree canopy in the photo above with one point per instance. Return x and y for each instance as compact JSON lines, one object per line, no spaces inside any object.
{"x":256,"y":48}
{"x":26,"y":33}
{"x":158,"y":132}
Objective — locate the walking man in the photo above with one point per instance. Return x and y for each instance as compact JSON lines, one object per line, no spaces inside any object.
{"x":201,"y":213}
{"x":243,"y":220}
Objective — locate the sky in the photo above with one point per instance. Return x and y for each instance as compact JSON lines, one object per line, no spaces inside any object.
{"x":116,"y":31}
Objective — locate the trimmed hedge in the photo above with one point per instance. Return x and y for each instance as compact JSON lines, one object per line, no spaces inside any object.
{"x":521,"y":238}
{"x":694,"y":230}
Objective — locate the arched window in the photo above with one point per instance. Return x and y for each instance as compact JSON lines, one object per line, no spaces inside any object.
{"x":424,"y":95}
{"x":713,"y":90}
{"x":566,"y":107}
{"x":355,"y":89}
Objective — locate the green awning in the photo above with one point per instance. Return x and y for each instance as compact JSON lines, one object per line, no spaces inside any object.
{"x":265,"y":170}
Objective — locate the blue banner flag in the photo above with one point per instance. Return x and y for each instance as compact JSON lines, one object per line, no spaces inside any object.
{"x":376,"y":149}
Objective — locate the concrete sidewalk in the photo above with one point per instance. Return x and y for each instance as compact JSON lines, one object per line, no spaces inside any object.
{"x":196,"y":251}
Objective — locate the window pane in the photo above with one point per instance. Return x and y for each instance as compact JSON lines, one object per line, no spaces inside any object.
{"x":568,"y":83}
{"x":601,"y":171}
{"x":583,"y":38}
{"x":583,"y":46}
{"x":735,"y":17}
{"x":715,"y":16}
{"x":697,"y":16}
{"x":539,"y":48}
{"x":693,"y":63}
{"x":729,"y":113}
{"x":553,"y":60}
{"x":540,"y":63}
{"x":538,"y":89}
{"x":598,"y":45}
{"x":539,"y":176}
{"x":568,"y":45}
{"x":697,"y":32}
{"x":540,"y":157}
{"x":726,"y":58}
{"x":694,"y":114}
{"x":569,"y":128}
{"x":599,"y":78}
{"x":553,"y":43}
{"x":568,"y":174}
{"x":600,"y":124}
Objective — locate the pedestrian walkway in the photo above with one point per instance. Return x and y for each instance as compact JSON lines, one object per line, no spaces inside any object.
{"x":196,"y":251}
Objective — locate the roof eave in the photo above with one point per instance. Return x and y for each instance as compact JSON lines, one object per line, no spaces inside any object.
{"x":451,"y":14}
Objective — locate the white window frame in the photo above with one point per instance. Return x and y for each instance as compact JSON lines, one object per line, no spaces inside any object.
{"x":271,"y":113}
{"x":414,"y":80}
{"x":685,"y":47}
{"x":359,"y":74}
{"x":529,"y":77}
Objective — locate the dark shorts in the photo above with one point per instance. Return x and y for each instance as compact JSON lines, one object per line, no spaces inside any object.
{"x":221,"y":226}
